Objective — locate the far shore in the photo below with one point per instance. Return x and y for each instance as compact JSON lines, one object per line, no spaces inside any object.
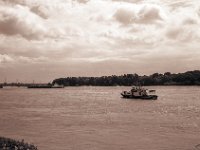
{"x":189,"y":78}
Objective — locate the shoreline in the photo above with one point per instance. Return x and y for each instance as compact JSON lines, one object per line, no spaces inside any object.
{"x":7,"y":143}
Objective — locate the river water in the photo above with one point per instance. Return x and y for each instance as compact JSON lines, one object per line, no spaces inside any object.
{"x":97,"y":118}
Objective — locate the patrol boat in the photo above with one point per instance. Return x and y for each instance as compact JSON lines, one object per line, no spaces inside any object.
{"x":137,"y":92}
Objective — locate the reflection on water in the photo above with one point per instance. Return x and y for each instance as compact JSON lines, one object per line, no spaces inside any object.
{"x":97,"y":118}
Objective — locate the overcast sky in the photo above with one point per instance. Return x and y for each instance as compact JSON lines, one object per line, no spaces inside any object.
{"x":45,"y":39}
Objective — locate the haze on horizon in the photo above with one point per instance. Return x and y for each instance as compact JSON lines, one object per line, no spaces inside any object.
{"x":46,"y":39}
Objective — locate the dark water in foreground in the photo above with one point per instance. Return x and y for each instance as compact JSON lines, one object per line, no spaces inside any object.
{"x":96,"y":118}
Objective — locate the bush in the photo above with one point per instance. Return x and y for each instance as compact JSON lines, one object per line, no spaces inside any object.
{"x":10,"y":144}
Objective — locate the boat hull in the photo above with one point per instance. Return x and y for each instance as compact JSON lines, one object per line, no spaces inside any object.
{"x":44,"y":87}
{"x":146,"y":97}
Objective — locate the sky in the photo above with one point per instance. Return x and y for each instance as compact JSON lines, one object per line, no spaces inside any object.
{"x":42,"y":40}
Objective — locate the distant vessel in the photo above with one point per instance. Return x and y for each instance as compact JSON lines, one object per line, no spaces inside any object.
{"x":44,"y":86}
{"x":36,"y":86}
{"x":1,"y":86}
{"x":137,"y":92}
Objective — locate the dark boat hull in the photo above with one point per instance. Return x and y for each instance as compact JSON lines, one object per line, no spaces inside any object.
{"x":146,"y":97}
{"x":44,"y":87}
{"x":39,"y":86}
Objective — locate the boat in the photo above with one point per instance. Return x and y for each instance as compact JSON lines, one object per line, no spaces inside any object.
{"x":39,"y":86}
{"x":137,"y":92}
{"x":44,"y":86}
{"x":1,"y":86}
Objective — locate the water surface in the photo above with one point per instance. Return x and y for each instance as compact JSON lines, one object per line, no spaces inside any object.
{"x":97,"y":118}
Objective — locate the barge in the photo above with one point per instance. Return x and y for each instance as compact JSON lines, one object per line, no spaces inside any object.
{"x":44,"y":86}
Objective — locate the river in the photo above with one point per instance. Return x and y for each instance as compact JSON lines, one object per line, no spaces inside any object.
{"x":97,"y":118}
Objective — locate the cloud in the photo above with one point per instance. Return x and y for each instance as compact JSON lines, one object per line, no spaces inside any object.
{"x":40,"y":11}
{"x":66,"y":36}
{"x":174,"y":33}
{"x":18,"y":20}
{"x":21,"y":2}
{"x":82,"y":1}
{"x":141,"y":14}
{"x":10,"y":60}
{"x":125,"y":16}
{"x":150,"y":14}
{"x":190,"y":21}
{"x":130,"y":1}
{"x":5,"y":59}
{"x":182,"y":34}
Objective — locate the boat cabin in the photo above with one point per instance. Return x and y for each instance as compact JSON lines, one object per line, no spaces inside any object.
{"x":138,"y":91}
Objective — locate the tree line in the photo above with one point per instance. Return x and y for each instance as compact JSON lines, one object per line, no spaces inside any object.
{"x":187,"y":78}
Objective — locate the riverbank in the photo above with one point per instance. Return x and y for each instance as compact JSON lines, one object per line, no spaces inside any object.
{"x":9,"y":144}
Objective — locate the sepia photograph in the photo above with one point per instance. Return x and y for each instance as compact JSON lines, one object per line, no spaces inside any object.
{"x":99,"y":75}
